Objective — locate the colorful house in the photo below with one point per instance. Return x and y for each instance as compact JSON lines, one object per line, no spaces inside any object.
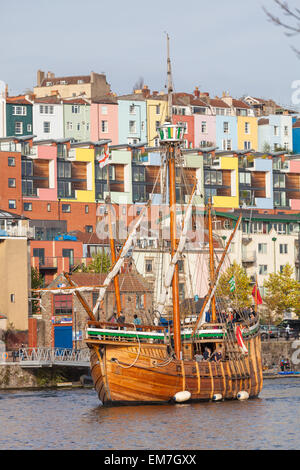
{"x":18,"y":116}
{"x":275,"y":133}
{"x":157,"y":105}
{"x":76,"y":115}
{"x":132,"y":118}
{"x":104,"y":119}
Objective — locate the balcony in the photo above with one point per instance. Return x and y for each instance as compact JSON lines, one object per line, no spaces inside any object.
{"x":249,"y":257}
{"x":17,"y":231}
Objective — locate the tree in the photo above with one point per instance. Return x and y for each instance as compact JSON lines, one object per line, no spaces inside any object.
{"x":283,"y":292}
{"x":37,"y":281}
{"x":99,"y":264}
{"x":240,"y":297}
{"x":292,"y":26}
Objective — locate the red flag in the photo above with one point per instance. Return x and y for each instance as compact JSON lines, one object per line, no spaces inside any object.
{"x":104,"y":160}
{"x":256,"y":295}
{"x":240,"y":340}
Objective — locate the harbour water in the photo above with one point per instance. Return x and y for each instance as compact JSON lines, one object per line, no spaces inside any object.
{"x":74,"y":419}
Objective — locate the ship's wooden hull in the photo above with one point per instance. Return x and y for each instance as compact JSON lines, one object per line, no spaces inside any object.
{"x":131,"y":374}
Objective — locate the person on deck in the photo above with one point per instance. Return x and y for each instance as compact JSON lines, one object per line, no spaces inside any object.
{"x":206,"y":354}
{"x":137,"y":321}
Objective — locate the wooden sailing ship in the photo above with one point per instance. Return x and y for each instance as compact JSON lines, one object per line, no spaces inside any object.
{"x":133,"y":364}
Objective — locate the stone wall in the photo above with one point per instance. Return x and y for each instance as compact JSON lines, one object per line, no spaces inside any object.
{"x":15,"y":377}
{"x":273,"y":350}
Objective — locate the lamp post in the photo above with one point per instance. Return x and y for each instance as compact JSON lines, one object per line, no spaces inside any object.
{"x":274,"y":240}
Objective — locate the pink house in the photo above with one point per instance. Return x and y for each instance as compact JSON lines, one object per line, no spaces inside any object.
{"x":104,"y":119}
{"x":205,"y":130}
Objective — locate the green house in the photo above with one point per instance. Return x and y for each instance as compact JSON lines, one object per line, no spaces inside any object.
{"x":18,"y":116}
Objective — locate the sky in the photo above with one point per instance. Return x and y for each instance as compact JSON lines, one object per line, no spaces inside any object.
{"x":216,"y":45}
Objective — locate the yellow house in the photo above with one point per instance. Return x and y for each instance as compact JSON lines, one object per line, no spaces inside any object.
{"x":83,"y":173}
{"x":228,"y":196}
{"x":157,"y":106}
{"x":247,"y":130}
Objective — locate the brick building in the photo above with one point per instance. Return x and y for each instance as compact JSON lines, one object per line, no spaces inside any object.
{"x":62,"y":314}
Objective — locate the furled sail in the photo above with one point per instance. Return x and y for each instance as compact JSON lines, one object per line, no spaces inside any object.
{"x":176,"y":257}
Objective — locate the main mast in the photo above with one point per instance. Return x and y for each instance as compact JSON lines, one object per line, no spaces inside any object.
{"x":170,"y":137}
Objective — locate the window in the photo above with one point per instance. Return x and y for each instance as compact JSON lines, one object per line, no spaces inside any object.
{"x":279,"y":199}
{"x":66,"y":207}
{"x":11,"y":182}
{"x":68,"y":253}
{"x":181,"y":291}
{"x":212,"y":177}
{"x":157,"y":109}
{"x":104,"y":110}
{"x":49,"y":207}
{"x":69,"y":126}
{"x":132,"y":127}
{"x":18,"y":128}
{"x":138,"y":173}
{"x":226,"y":127}
{"x":263,"y":269}
{"x":149,"y":265}
{"x":132,"y":109}
{"x":245,"y":178}
{"x":280,"y":228}
{"x":142,"y":126}
{"x":279,"y":180}
{"x":19,"y":110}
{"x":11,"y":161}
{"x":75,"y":109}
{"x":45,"y":109}
{"x":29,"y":128}
{"x":12,"y":298}
{"x":12,"y":204}
{"x":247,"y":145}
{"x":247,"y":127}
{"x":89,"y":228}
{"x":262,"y":248}
{"x":64,"y":170}
{"x":157,"y":124}
{"x":275,"y":130}
{"x":78,"y":126}
{"x":226,"y":144}
{"x":180,"y":266}
{"x":104,"y":126}
{"x":62,"y":304}
{"x":139,"y":301}
{"x":283,"y":248}
{"x":286,"y":130}
{"x":203,"y":127}
{"x":46,"y":126}
{"x":86,"y":209}
{"x":27,"y":206}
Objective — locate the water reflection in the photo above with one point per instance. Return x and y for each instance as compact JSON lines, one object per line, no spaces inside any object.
{"x":73,"y":419}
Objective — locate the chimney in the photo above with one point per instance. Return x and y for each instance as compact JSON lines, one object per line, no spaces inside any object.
{"x":155,"y":93}
{"x":197,"y":92}
{"x":40,"y":77}
{"x":146,"y":91}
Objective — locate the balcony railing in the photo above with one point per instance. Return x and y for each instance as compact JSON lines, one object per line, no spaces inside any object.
{"x":28,"y":232}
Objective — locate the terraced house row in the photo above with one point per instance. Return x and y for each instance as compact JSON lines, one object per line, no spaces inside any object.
{"x":83,"y":108}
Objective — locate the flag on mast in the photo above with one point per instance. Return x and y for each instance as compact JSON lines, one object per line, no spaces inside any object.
{"x":232,"y":284}
{"x":239,"y":337}
{"x":256,"y":295}
{"x":104,"y":160}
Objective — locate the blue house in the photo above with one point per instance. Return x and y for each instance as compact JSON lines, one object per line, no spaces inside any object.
{"x":132,"y":119}
{"x":226,"y":132}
